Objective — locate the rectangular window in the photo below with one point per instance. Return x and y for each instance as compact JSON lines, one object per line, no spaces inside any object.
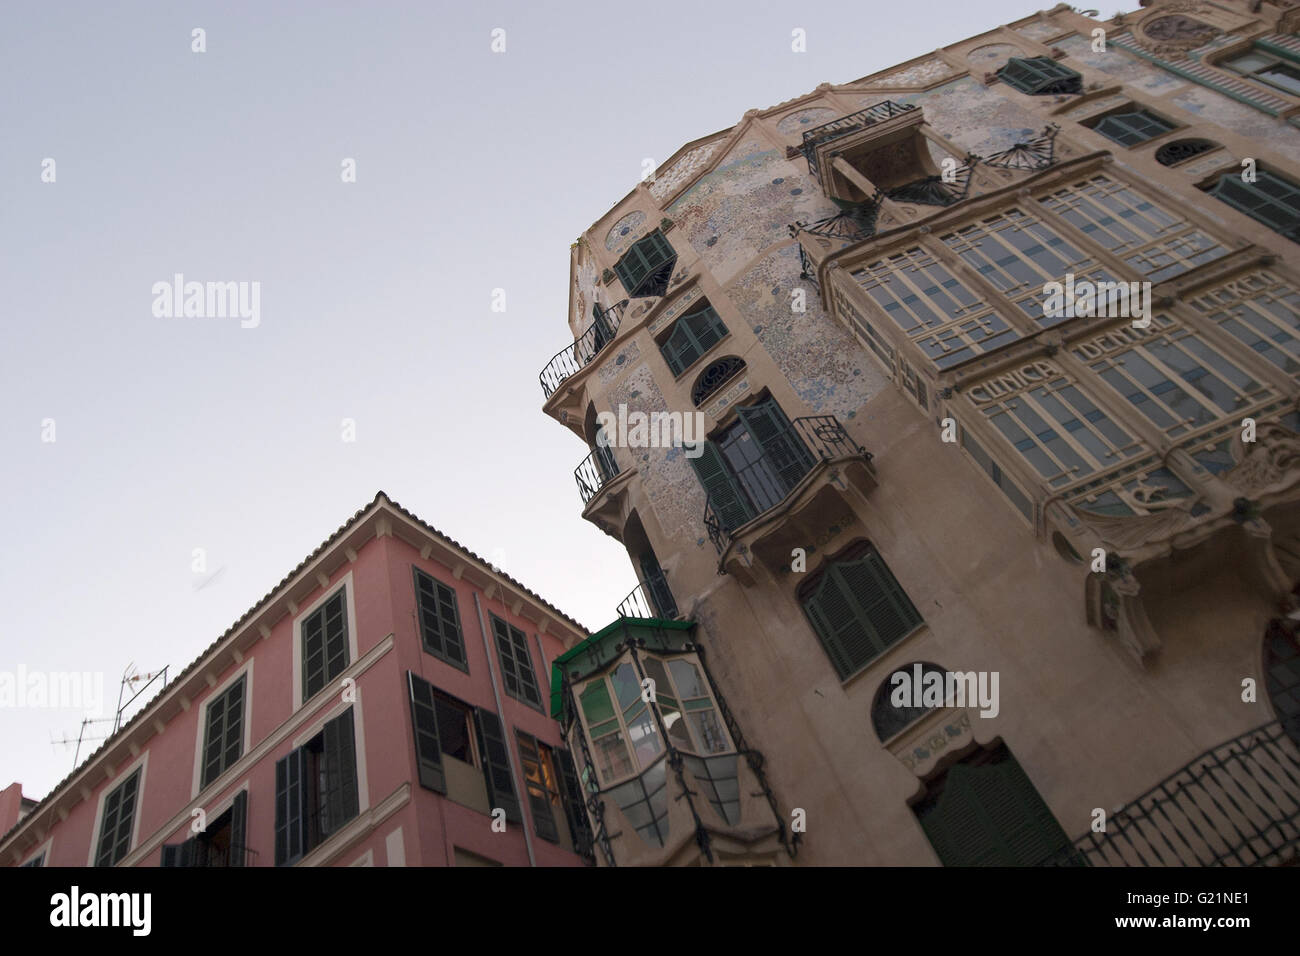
{"x":949,"y":322}
{"x":642,"y":268}
{"x":118,"y":822}
{"x":316,"y":791}
{"x":1263,"y":311}
{"x":1270,"y":199}
{"x":221,"y":844}
{"x":868,"y":332}
{"x":690,"y":337}
{"x":223,"y":735}
{"x":542,"y":784}
{"x":1132,"y":126}
{"x":324,"y":645}
{"x":991,"y":468}
{"x":439,"y":618}
{"x":516,"y":662}
{"x":1266,"y":69}
{"x":37,"y":860}
{"x":1173,"y":378}
{"x":1152,"y":240}
{"x":1061,"y":432}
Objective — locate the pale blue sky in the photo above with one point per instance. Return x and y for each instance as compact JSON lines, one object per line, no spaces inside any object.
{"x":475,"y":171}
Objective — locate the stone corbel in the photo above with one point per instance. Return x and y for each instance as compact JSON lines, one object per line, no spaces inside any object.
{"x":1135,"y":632}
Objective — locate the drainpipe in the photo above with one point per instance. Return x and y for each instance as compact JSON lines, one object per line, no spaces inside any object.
{"x":515,"y":776}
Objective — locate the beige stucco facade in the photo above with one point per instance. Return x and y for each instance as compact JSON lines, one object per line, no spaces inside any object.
{"x":1109,"y":681}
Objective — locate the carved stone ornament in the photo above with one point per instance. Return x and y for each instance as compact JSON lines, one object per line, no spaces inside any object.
{"x":1173,"y":34}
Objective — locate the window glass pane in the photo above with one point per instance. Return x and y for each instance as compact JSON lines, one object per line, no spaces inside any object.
{"x":687,"y":678}
{"x":708,"y":731}
{"x":644,"y":736}
{"x":453,"y":730}
{"x":677,"y":733}
{"x":596,"y":705}
{"x":627,"y":688}
{"x":611,"y":756}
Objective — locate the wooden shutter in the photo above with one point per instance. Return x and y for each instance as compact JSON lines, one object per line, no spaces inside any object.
{"x":834,"y":618}
{"x":290,"y":807}
{"x":340,"y":760}
{"x":516,"y":662}
{"x":239,"y":829}
{"x":884,"y":605}
{"x":424,"y":722}
{"x":224,"y":733}
{"x":539,"y":799}
{"x":575,"y":808}
{"x":439,"y":618}
{"x":782,"y":447}
{"x":729,"y":503}
{"x":993,"y":816}
{"x":116,"y":826}
{"x":496,"y":764}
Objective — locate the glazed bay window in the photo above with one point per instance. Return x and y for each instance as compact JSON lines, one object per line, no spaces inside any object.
{"x":439,"y":618}
{"x":857,"y":609}
{"x":1019,"y":253}
{"x":516,"y":662}
{"x":1153,"y":241}
{"x":324,"y":644}
{"x":1060,"y":432}
{"x":646,"y":268}
{"x":948,"y":320}
{"x":460,"y":750}
{"x":316,"y":790}
{"x":619,"y":724}
{"x":1263,"y":311}
{"x":686,"y":706}
{"x":691,"y":336}
{"x":1171,"y":376}
{"x":1271,"y":199}
{"x":223,"y":734}
{"x":117,"y":824}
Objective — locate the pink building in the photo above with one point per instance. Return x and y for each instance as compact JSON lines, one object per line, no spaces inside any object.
{"x":385,"y":704}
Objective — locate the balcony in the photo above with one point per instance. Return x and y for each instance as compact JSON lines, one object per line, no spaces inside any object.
{"x":596,"y":475}
{"x":1237,"y":804}
{"x":651,"y":599}
{"x":801,"y":482}
{"x":848,"y":126}
{"x":574,"y":358}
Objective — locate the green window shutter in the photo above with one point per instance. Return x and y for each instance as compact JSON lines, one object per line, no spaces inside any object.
{"x":324,"y":645}
{"x":835,"y":619}
{"x":290,"y":801}
{"x":439,"y":615}
{"x":1040,"y":76}
{"x":224,"y":734}
{"x":575,"y":809}
{"x":340,"y":800}
{"x":424,"y":722}
{"x":239,"y":829}
{"x":1271,"y":200}
{"x":539,"y":804}
{"x":781,"y":445}
{"x":117,"y":822}
{"x":692,"y":335}
{"x":516,"y":663}
{"x":886,"y":607}
{"x":178,"y":854}
{"x":992,"y":815}
{"x":729,"y":503}
{"x":640,"y":263}
{"x":496,"y":764}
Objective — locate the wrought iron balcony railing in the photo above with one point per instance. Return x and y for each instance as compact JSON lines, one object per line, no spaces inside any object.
{"x":1036,"y":153}
{"x":650,"y":599}
{"x":1237,"y":804}
{"x":596,"y":471}
{"x":820,"y":437}
{"x":846,"y":125}
{"x":574,"y":358}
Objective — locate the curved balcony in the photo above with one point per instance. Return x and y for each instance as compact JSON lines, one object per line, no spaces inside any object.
{"x":595,"y":471}
{"x":818,"y":463}
{"x":574,"y":358}
{"x":848,"y":125}
{"x":650,"y":599}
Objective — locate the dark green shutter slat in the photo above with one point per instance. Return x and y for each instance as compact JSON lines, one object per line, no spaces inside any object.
{"x":574,"y":806}
{"x":516,"y":662}
{"x":424,"y":722}
{"x":118,"y":821}
{"x":324,"y":645}
{"x":171,"y":854}
{"x":692,"y":335}
{"x":341,"y":801}
{"x":439,"y":617}
{"x":496,"y":764}
{"x":539,"y":807}
{"x":835,"y":620}
{"x":782,"y":448}
{"x":729,"y":504}
{"x":238,"y":828}
{"x":646,"y":257}
{"x":885,"y":606}
{"x":290,"y":801}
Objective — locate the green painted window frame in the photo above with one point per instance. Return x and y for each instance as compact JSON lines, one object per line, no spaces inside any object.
{"x":1288,"y":64}
{"x":1040,"y":76}
{"x":1271,"y":199}
{"x":316,"y":790}
{"x":542,"y":799}
{"x":857,"y":609}
{"x":1133,"y":127}
{"x":691,"y":337}
{"x":327,"y":629}
{"x":223,"y":732}
{"x":117,"y":824}
{"x":646,"y":257}
{"x":516,"y":663}
{"x":438,"y":614}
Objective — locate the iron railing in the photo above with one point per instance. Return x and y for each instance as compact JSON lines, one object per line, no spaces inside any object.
{"x":822,"y":436}
{"x":1237,"y":804}
{"x":574,"y":358}
{"x":1036,"y":153}
{"x":808,"y":269}
{"x":594,"y":472}
{"x":844,"y":126}
{"x":650,"y":599}
{"x":853,"y":223}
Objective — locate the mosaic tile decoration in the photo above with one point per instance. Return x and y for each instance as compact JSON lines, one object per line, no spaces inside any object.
{"x":623,"y":233}
{"x":682,"y":170}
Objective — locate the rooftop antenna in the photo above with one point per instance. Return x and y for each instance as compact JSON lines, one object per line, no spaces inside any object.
{"x":81,"y":737}
{"x":137,"y":683}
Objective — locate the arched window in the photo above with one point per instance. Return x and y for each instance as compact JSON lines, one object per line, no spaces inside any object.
{"x":716,"y":375}
{"x":691,"y":336}
{"x":1171,"y":154}
{"x":1040,"y":76}
{"x":1270,"y":199}
{"x":646,"y":268}
{"x":889,"y":718}
{"x":857,"y":608}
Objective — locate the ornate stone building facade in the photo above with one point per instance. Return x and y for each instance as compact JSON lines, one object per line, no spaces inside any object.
{"x":917,"y":464}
